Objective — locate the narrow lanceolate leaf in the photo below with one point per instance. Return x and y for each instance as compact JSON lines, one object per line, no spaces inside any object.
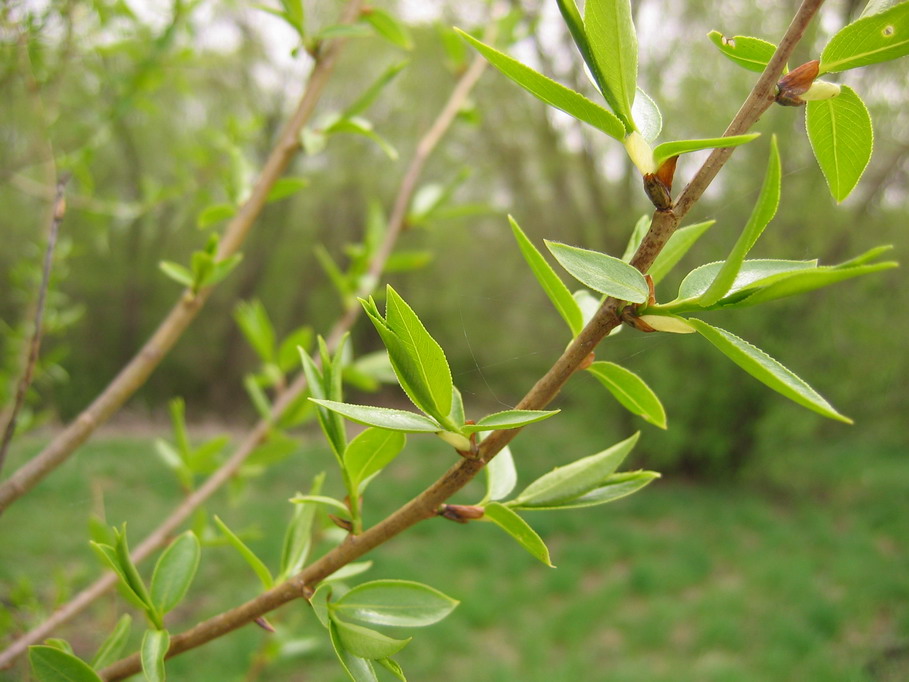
{"x":50,"y":664}
{"x":610,"y":31}
{"x":612,"y":488}
{"x":555,"y":289}
{"x":366,"y":642}
{"x":552,"y":93}
{"x":678,"y":245}
{"x":257,"y":565}
{"x":389,"y":27}
{"x":842,"y":138}
{"x":752,"y":273}
{"x":872,"y":39}
{"x":372,"y":451}
{"x":575,"y":23}
{"x":638,"y":232}
{"x":631,"y":391}
{"x":667,"y":150}
{"x":519,"y":529}
{"x":568,"y":482}
{"x":766,"y":370}
{"x":336,"y":506}
{"x":763,"y":213}
{"x":318,"y":383}
{"x":155,"y":644}
{"x":750,"y":53}
{"x":298,"y":536}
{"x":384,"y":418}
{"x":509,"y":419}
{"x":606,"y":274}
{"x":174,"y":571}
{"x":113,"y":645}
{"x":108,"y":556}
{"x":501,"y":476}
{"x":809,"y":280}
{"x":399,"y":603}
{"x":358,"y":669}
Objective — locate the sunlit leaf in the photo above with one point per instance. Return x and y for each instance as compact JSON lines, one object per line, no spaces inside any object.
{"x":298,"y":536}
{"x":509,"y":419}
{"x":384,"y":418}
{"x":371,"y":451}
{"x":399,"y":603}
{"x":751,"y":53}
{"x":665,"y":151}
{"x":606,"y":274}
{"x":647,"y":116}
{"x":872,"y":39}
{"x":501,"y":475}
{"x":610,"y":32}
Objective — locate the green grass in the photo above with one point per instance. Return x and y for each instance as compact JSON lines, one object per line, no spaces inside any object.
{"x":802,"y":574}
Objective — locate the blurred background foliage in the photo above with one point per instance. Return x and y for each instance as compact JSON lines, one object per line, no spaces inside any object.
{"x":160,"y":111}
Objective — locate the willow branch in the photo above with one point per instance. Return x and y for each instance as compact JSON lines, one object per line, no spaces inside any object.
{"x":162,"y":534}
{"x":140,"y":367}
{"x":426,"y":505}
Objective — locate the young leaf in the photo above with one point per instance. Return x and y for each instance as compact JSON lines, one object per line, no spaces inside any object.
{"x":647,"y":116}
{"x":108,"y":556}
{"x":509,"y":419}
{"x":399,"y":603}
{"x":766,"y":370}
{"x":336,"y":506}
{"x":555,"y":289}
{"x":677,"y":246}
{"x":370,"y":452}
{"x":257,"y":565}
{"x":667,"y":150}
{"x":751,"y":53}
{"x":610,"y":489}
{"x":215,"y":214}
{"x":358,"y":669}
{"x":751,"y":274}
{"x":129,"y":573}
{"x":179,"y":273}
{"x":174,"y":571}
{"x":155,"y":644}
{"x":631,"y":391}
{"x":610,"y":32}
{"x":393,"y":667}
{"x":388,"y":27}
{"x":606,"y":274}
{"x":220,"y":270}
{"x":112,"y":646}
{"x":808,"y":280}
{"x":319,"y":382}
{"x":366,"y":642}
{"x":566,"y":483}
{"x":360,"y":126}
{"x":763,"y":213}
{"x":349,"y":571}
{"x":872,"y":39}
{"x":519,"y":529}
{"x":364,"y":101}
{"x":50,"y":664}
{"x":256,"y":326}
{"x":286,"y":187}
{"x":384,"y":418}
{"x":298,"y":536}
{"x":552,"y":93}
{"x":637,"y":236}
{"x":841,"y":137}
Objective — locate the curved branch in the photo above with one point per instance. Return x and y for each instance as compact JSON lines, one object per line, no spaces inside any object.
{"x":425,"y":505}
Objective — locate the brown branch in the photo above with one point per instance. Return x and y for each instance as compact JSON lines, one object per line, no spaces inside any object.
{"x":138,"y":369}
{"x":162,"y":534}
{"x":59,"y":209}
{"x":425,"y":505}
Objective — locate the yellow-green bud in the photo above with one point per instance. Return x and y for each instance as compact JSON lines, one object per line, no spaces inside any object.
{"x":821,"y":90}
{"x":667,"y":323}
{"x":456,"y":440}
{"x":640,"y":153}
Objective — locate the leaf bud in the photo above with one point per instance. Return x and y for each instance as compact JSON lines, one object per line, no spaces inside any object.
{"x":793,"y":85}
{"x":456,"y":440}
{"x":640,"y":153}
{"x":461,"y":513}
{"x":821,"y":90}
{"x":667,"y":323}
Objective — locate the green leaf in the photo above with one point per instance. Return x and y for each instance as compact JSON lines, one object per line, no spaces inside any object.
{"x":552,"y":93}
{"x":509,"y":419}
{"x":108,"y":556}
{"x":637,"y":236}
{"x":286,"y":187}
{"x":751,"y":274}
{"x":331,"y":503}
{"x":392,"y":667}
{"x":358,"y":669}
{"x":298,"y":536}
{"x":667,"y":150}
{"x":130,"y":574}
{"x":751,"y":53}
{"x":319,"y":603}
{"x":256,"y":326}
{"x":647,"y":116}
{"x":360,"y":126}
{"x":501,"y":476}
{"x":365,"y":100}
{"x":370,"y":452}
{"x":809,"y":280}
{"x":677,"y":246}
{"x":841,"y":137}
{"x":215,"y":214}
{"x":606,"y":274}
{"x":612,"y":488}
{"x":610,"y":32}
{"x":366,"y":642}
{"x":49,"y":664}
{"x":220,"y":270}
{"x":877,"y":6}
{"x":384,"y":418}
{"x":566,"y":483}
{"x":763,"y":213}
{"x":321,"y":387}
{"x":555,"y":289}
{"x":519,"y":529}
{"x":398,"y":603}
{"x":388,"y":27}
{"x":349,"y":571}
{"x":766,"y":370}
{"x":174,"y":572}
{"x":872,"y":39}
{"x":257,"y":565}
{"x":113,"y":645}
{"x":155,"y":644}
{"x":631,"y":391}
{"x":179,"y":273}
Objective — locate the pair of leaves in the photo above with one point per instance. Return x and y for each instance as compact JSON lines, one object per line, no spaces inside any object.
{"x":205,"y":270}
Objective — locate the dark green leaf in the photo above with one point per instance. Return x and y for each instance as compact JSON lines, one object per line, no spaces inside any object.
{"x":751,"y":53}
{"x":174,"y":572}
{"x":606,"y":274}
{"x":519,"y":529}
{"x":872,"y":39}
{"x":399,"y":603}
{"x":49,"y":664}
{"x":631,"y":391}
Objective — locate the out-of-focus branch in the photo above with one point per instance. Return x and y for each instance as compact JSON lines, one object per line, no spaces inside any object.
{"x":160,"y":536}
{"x":137,"y":370}
{"x":426,"y":505}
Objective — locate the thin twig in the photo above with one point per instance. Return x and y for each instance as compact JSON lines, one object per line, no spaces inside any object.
{"x":425,"y":505}
{"x":59,"y":210}
{"x":140,"y":367}
{"x":160,"y":536}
